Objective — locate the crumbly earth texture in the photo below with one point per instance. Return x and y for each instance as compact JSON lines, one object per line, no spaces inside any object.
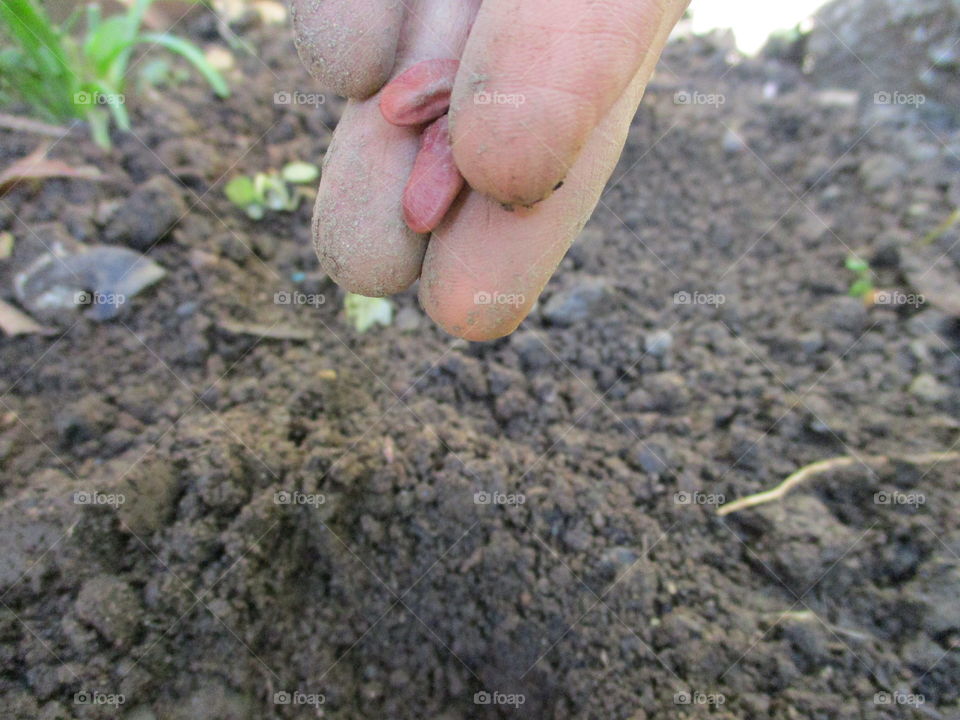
{"x":402,"y":525}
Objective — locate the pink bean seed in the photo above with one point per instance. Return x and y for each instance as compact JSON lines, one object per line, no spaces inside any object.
{"x":419,"y":94}
{"x":434,"y":182}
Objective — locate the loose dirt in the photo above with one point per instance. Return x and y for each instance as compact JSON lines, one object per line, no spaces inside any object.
{"x":409,"y":525}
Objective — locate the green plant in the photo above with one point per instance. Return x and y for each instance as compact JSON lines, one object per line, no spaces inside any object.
{"x":365,"y":312}
{"x":271,"y":190}
{"x":159,"y":73}
{"x":63,"y":77}
{"x":862,"y":284}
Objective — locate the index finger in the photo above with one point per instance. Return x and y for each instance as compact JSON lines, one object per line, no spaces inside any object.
{"x":349,"y":45}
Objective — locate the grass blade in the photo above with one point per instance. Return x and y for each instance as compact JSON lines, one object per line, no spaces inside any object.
{"x":190,"y":53}
{"x":39,"y":72}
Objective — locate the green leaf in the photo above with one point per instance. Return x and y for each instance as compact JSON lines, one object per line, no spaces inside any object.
{"x":855,"y":264}
{"x":99,"y":123}
{"x":105,"y":44}
{"x":114,"y":102}
{"x":38,"y":69}
{"x":277,"y":199}
{"x":300,"y":172}
{"x":860,"y":288}
{"x":71,"y":20}
{"x":240,"y":191}
{"x":135,"y":17}
{"x":365,"y":312}
{"x":29,"y":25}
{"x":193,"y":55}
{"x":133,"y":20}
{"x":93,"y":18}
{"x":272,"y":191}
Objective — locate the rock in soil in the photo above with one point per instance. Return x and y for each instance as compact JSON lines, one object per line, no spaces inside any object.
{"x":111,"y":606}
{"x":148,"y":215}
{"x":584,"y":299}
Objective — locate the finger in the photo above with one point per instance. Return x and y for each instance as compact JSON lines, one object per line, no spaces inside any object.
{"x":485,"y":266}
{"x":358,"y":225}
{"x":349,"y":45}
{"x":553,"y":68}
{"x":358,"y":229}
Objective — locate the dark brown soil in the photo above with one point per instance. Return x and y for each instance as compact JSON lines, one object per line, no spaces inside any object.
{"x":603,"y":594}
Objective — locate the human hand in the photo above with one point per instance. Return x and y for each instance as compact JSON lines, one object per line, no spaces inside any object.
{"x":540,"y":109}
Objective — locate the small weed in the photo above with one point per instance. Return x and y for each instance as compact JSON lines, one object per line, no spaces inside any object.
{"x":62,"y":77}
{"x":272,"y":190}
{"x":862,"y":286}
{"x":365,"y":312}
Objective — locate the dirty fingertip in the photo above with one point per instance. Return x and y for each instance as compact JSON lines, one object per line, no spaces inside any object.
{"x":359,"y":233}
{"x":350,"y":46}
{"x":458,"y":312}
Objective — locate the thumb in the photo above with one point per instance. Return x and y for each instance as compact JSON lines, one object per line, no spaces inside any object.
{"x":548,"y":68}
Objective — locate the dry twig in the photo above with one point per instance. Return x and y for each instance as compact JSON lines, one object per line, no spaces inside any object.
{"x":823,"y":466}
